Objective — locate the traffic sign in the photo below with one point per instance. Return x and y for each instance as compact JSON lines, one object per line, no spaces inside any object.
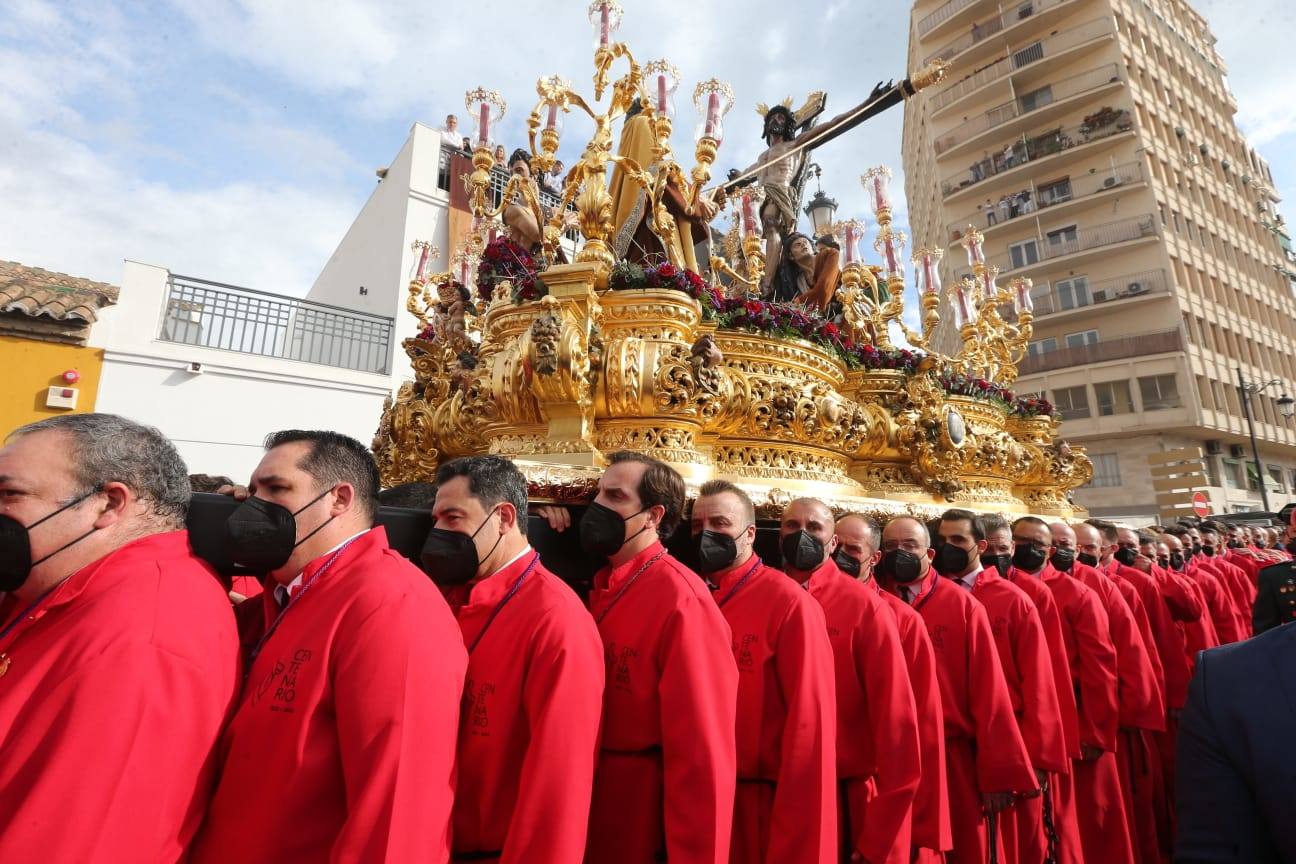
{"x":1201,"y":504}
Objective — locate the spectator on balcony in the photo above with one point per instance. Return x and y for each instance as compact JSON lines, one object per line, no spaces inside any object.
{"x":450,"y":135}
{"x":989,"y":209}
{"x":978,"y":172}
{"x":1005,"y":209}
{"x":1008,"y":156}
{"x":467,"y":144}
{"x":501,"y":156}
{"x":553,"y":180}
{"x":1027,"y":203}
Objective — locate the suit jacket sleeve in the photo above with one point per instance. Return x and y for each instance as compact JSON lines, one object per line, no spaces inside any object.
{"x":1217,"y":813}
{"x":563,"y":699}
{"x":893,"y":719}
{"x":803,"y":821}
{"x":398,"y":697}
{"x":699,"y":681}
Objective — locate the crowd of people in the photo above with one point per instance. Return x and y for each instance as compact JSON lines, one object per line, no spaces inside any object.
{"x":1009,"y":207}
{"x":965,"y":689}
{"x":551,"y":181}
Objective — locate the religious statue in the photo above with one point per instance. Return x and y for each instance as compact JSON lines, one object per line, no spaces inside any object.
{"x":825,"y":276}
{"x":636,"y":238}
{"x":794,"y":274}
{"x":455,"y":302}
{"x":524,"y":215}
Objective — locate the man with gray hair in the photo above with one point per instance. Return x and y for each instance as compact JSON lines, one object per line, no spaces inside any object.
{"x":119,"y":658}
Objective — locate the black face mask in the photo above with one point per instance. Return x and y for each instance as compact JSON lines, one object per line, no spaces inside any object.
{"x":1207,"y":549}
{"x":1063,"y":559}
{"x":1196,"y":549}
{"x":1086,"y":559}
{"x":1164,"y":560}
{"x":1235,"y":544}
{"x":951,"y":560}
{"x":802,"y":551}
{"x":262,"y":535}
{"x":1029,"y":558}
{"x":15,"y":546}
{"x":603,"y":530}
{"x":1125,"y":556}
{"x":450,"y":557}
{"x":715,"y":551}
{"x":1176,"y":561}
{"x":900,"y":566}
{"x":999,"y":562}
{"x":848,"y":564}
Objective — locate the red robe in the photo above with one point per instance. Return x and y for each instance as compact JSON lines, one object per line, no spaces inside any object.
{"x":664,"y":784}
{"x":931,"y":816}
{"x":1099,"y":804}
{"x":1028,"y":671}
{"x":878,"y":757}
{"x":343,"y":744}
{"x":785,"y":810}
{"x":112,"y":697}
{"x":1165,"y":636}
{"x":530,"y":721}
{"x":1239,"y":588}
{"x":1218,"y":599}
{"x":984,"y":751}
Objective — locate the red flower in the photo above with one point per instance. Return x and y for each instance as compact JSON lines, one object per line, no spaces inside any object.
{"x":753,"y":307}
{"x":667,"y":271}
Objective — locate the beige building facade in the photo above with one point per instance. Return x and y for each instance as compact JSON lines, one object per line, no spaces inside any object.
{"x":1093,"y":143}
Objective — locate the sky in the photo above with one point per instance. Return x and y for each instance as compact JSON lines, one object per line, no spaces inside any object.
{"x":236,"y":140}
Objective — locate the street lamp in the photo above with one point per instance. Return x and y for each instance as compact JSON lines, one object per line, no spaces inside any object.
{"x":821,"y":208}
{"x":1286,"y":406}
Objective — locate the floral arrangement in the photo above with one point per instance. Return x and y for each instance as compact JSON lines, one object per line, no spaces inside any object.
{"x":504,"y":260}
{"x":977,"y":388}
{"x":784,"y":321}
{"x":627,"y":275}
{"x":898,"y":359}
{"x":1033,"y":406}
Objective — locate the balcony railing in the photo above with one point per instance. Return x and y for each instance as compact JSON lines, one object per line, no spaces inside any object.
{"x":986,"y":29}
{"x":499,"y":178}
{"x":1056,"y":245}
{"x":1028,"y":148}
{"x":1020,"y":57}
{"x":1029,"y":103}
{"x":1119,"y":348}
{"x":942,"y":14}
{"x":1082,"y":294}
{"x":228,"y":318}
{"x":1034,"y":198}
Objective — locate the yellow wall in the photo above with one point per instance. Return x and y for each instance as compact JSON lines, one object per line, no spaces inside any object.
{"x":28,"y":369}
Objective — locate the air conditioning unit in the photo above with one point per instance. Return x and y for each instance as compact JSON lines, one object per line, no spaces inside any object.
{"x":1110,"y":182}
{"x":1213,"y":447}
{"x":1237,"y":451}
{"x":1135,"y":288}
{"x":1101,"y":296}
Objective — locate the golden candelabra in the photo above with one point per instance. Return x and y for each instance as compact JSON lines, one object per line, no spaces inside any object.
{"x":992,"y":346}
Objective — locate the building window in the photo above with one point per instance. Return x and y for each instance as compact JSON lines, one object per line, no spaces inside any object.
{"x":1023,"y":254}
{"x":1055,"y":192}
{"x":1113,"y":397}
{"x":1081,"y":339}
{"x":1159,"y":392}
{"x":1106,"y":470}
{"x":1063,"y":240}
{"x":1275,"y":478}
{"x":1037,"y":98}
{"x":1072,"y":402}
{"x":1232,"y":473}
{"x":1042,"y":346}
{"x":1073,"y":292}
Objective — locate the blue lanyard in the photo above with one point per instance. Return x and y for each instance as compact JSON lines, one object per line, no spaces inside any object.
{"x":499,"y":607}
{"x":292,"y":601}
{"x":740,"y":583}
{"x":8,"y":628}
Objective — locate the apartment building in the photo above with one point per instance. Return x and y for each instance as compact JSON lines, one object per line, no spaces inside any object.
{"x":1093,"y":143}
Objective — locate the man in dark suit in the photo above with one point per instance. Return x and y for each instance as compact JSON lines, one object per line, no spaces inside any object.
{"x":1236,"y":783}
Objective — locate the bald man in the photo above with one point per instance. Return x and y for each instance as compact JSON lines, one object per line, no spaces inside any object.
{"x":987,"y":764}
{"x":785,"y":809}
{"x":858,"y":543}
{"x":877,"y":723}
{"x":1199,"y":633}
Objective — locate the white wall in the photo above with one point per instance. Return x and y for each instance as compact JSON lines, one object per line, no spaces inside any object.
{"x":375,"y":252}
{"x":218,"y":418}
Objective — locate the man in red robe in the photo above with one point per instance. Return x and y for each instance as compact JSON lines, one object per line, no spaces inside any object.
{"x":786,"y":804}
{"x":878,"y":762}
{"x":1199,"y":632}
{"x":528,"y":731}
{"x":1142,"y":701}
{"x":1241,"y":586}
{"x":987,"y":764}
{"x":1215,"y":590}
{"x":343,"y":745}
{"x":1099,"y":805}
{"x":119,"y":658}
{"x":1065,"y":837}
{"x":858,"y":552}
{"x":1028,"y":672}
{"x":664,"y":784}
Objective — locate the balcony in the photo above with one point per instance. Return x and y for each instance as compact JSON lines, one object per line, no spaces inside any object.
{"x":1047,"y":100}
{"x":1034,"y":12}
{"x":1021,"y":57}
{"x":1031,"y":148}
{"x":1079,"y":295}
{"x":228,"y":318}
{"x":499,"y":178}
{"x":943,"y":15}
{"x":1035,"y":252}
{"x":1067,"y":190}
{"x":1119,"y":348}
